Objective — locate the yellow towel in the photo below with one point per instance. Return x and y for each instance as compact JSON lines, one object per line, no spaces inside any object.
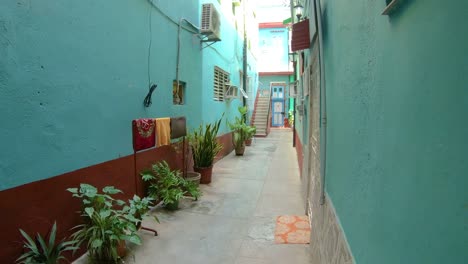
{"x":163,"y":131}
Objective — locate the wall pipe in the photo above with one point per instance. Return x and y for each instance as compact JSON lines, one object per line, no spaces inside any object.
{"x":323,"y":102}
{"x":291,"y":4}
{"x":244,"y":58}
{"x":179,"y":27}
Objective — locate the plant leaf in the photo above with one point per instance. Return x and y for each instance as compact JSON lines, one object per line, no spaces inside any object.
{"x":111,"y":190}
{"x":135,"y":239}
{"x":52,"y":235}
{"x":89,"y":211}
{"x":73,"y":190}
{"x":96,"y":243}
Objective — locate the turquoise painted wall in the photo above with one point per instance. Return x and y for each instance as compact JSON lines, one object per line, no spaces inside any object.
{"x":397,"y":131}
{"x":228,"y":55}
{"x":74,"y":74}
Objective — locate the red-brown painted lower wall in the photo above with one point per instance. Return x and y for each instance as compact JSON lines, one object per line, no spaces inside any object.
{"x":35,"y":206}
{"x":300,"y":156}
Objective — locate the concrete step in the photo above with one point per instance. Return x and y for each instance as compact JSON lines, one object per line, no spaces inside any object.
{"x":260,"y":120}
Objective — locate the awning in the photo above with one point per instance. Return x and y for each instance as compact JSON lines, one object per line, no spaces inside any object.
{"x":300,"y":36}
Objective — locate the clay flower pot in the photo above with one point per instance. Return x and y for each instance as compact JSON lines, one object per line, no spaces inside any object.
{"x":205,"y":174}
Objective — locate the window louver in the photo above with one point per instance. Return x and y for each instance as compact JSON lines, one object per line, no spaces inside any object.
{"x":221,"y":77}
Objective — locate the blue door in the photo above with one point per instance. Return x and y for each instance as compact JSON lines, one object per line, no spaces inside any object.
{"x":277,"y":116}
{"x":277,"y":104}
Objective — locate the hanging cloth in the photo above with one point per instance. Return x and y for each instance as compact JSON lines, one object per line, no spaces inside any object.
{"x":143,"y":131}
{"x":163,"y":131}
{"x":178,"y":127}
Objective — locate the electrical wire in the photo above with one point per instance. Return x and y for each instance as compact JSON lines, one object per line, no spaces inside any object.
{"x":147,"y":102}
{"x":172,"y":20}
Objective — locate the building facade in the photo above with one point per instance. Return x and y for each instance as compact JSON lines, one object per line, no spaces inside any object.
{"x":381,"y":138}
{"x":74,"y":75}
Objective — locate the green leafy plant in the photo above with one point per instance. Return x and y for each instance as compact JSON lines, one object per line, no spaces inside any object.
{"x":139,"y":208}
{"x":291,"y":117}
{"x":241,"y":130}
{"x":108,"y":221}
{"x":168,"y":185}
{"x":250,"y":132}
{"x":40,"y":252}
{"x":204,"y":145}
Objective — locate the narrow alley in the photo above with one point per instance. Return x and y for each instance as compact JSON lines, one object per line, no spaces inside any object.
{"x":234,"y":221}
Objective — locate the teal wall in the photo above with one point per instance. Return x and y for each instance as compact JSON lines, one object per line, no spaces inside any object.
{"x":397,"y":130}
{"x":228,"y":55}
{"x":74,"y":74}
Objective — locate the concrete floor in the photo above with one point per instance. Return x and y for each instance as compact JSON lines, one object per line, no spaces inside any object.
{"x":233,"y":222}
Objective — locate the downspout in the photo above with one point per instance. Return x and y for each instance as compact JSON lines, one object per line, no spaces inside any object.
{"x":291,"y":6}
{"x":323,"y":103}
{"x":178,"y":55}
{"x":244,"y":58}
{"x":179,"y":26}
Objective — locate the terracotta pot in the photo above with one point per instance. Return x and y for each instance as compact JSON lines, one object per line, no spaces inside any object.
{"x":121,"y":249}
{"x":240,"y":150}
{"x":286,"y":122}
{"x":205,"y":174}
{"x":248,"y":142}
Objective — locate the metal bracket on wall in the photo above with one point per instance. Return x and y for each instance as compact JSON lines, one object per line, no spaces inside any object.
{"x":207,"y":41}
{"x":392,"y":5}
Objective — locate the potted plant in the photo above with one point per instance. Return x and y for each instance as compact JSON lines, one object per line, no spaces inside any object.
{"x":241,"y":131}
{"x":168,"y":185}
{"x":251,"y":130}
{"x":40,"y":250}
{"x":108,"y":224}
{"x":205,"y":147}
{"x":291,"y":118}
{"x":138,"y":208}
{"x":181,"y":149}
{"x":239,"y":136}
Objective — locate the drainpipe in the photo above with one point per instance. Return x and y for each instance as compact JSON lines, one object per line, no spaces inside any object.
{"x":323,"y":103}
{"x":178,"y":54}
{"x":291,"y":6}
{"x":244,"y":65}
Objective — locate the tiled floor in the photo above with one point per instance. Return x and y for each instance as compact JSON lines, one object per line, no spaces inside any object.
{"x":233,"y":222}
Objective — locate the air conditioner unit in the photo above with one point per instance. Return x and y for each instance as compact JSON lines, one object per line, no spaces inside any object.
{"x":231,"y":91}
{"x":210,"y":23}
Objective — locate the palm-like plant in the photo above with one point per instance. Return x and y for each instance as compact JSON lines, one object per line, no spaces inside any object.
{"x":241,"y":130}
{"x":204,"y":145}
{"x":40,"y":252}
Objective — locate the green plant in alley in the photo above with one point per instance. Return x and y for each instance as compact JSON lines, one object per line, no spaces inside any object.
{"x":41,"y":252}
{"x":204,"y":144}
{"x":241,"y":131}
{"x":139,"y":208}
{"x":291,"y":117}
{"x":168,"y":185}
{"x":109,"y":222}
{"x":250,"y":132}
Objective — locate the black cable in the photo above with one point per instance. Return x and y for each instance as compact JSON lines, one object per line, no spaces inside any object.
{"x":147,"y":102}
